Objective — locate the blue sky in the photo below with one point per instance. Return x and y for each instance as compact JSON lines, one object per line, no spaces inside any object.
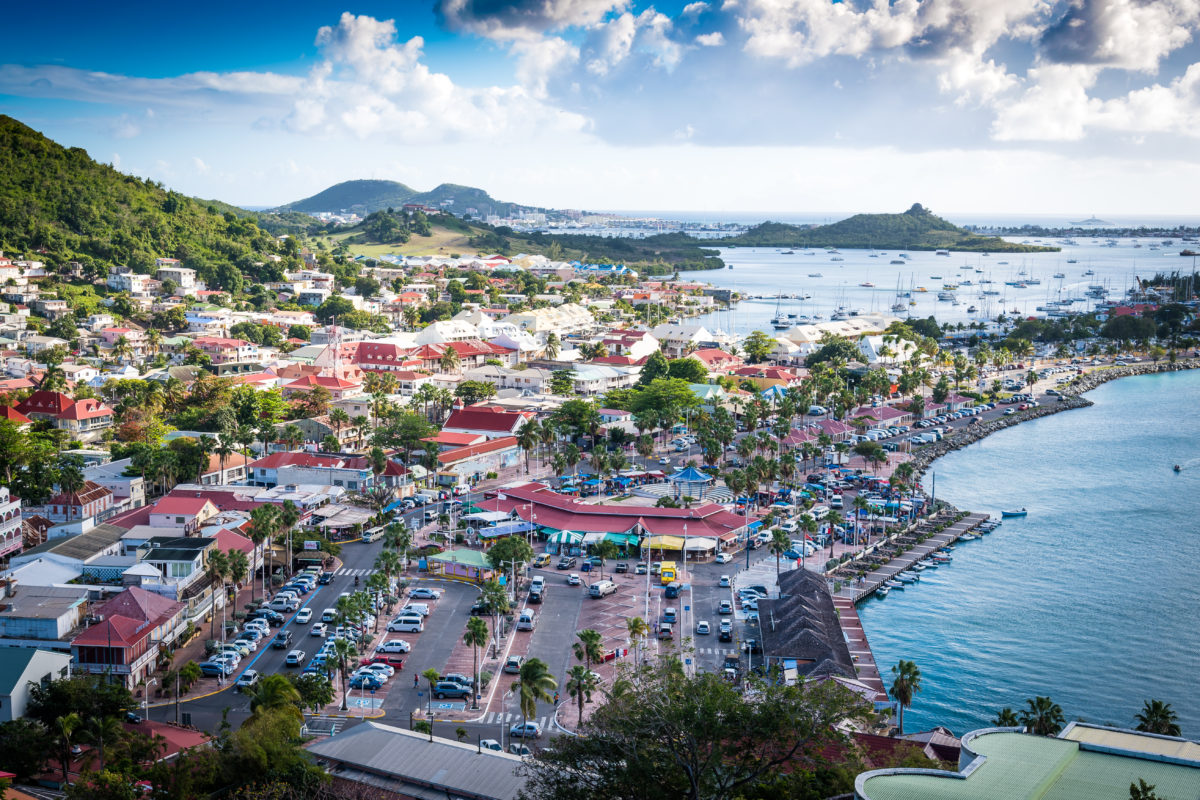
{"x":1038,"y":106}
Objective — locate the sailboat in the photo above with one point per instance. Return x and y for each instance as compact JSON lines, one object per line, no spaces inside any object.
{"x":780,"y":322}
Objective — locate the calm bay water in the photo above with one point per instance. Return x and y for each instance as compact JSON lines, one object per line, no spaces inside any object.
{"x":761,"y":274}
{"x":1093,"y":598}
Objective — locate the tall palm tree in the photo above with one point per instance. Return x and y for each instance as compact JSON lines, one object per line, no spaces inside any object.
{"x":449,"y":361}
{"x":552,"y":345}
{"x":344,"y":652}
{"x":262,"y":524}
{"x":587,"y":649}
{"x":638,"y":630}
{"x":286,"y":520}
{"x":475,"y":638}
{"x":834,"y":519}
{"x":780,"y":544}
{"x":581,"y":682}
{"x":1043,"y":716}
{"x":533,"y":684}
{"x":859,"y":505}
{"x":64,"y":731}
{"x":274,"y":693}
{"x":338,"y":417}
{"x":1158,"y":717}
{"x":215,"y":569}
{"x":433,"y":676}
{"x":239,"y":568}
{"x":1007,"y":718}
{"x":905,"y":683}
{"x":102,"y":730}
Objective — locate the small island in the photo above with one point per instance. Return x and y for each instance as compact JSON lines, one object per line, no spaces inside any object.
{"x":915,"y":229}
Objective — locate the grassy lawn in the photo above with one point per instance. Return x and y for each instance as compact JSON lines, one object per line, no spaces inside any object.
{"x":443,"y":242}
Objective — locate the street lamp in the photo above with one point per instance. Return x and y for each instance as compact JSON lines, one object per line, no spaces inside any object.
{"x":146,"y":698}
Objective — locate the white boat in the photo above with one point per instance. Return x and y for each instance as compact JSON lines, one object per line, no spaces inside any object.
{"x":969,"y":537}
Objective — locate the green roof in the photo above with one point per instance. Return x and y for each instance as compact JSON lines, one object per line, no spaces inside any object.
{"x":470,"y":558}
{"x":13,"y":663}
{"x":1018,"y":766}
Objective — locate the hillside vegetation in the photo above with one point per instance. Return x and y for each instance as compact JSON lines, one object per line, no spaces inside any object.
{"x":365,"y":197}
{"x":915,"y":229}
{"x":60,"y":205}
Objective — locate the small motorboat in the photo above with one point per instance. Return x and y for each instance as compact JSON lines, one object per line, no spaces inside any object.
{"x":919,"y":567}
{"x":893,"y":584}
{"x":926,"y":563}
{"x":908,"y":578}
{"x":1178,"y":468}
{"x":882,"y":592}
{"x":969,"y":537}
{"x":1020,"y":513}
{"x":942,"y":559}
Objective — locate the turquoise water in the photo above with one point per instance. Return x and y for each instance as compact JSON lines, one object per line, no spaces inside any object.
{"x":1093,"y":598}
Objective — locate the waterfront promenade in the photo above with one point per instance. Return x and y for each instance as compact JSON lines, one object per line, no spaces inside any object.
{"x":857,"y":590}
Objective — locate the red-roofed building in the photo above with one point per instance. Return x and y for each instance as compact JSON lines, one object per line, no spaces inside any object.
{"x":471,"y":354}
{"x":383,"y":356}
{"x":473,"y":462}
{"x":15,"y":417}
{"x":222,"y":350}
{"x":887,"y":415}
{"x":338,"y":388}
{"x":446,"y":440}
{"x":188,"y":513}
{"x":125,"y":641}
{"x":89,"y":502}
{"x":716,"y":360}
{"x":275,"y":469}
{"x":489,"y":422}
{"x":82,"y":419}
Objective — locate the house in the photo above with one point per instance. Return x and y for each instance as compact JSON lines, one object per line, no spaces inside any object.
{"x":473,"y":462}
{"x":882,"y":415}
{"x":186,"y":513}
{"x":180,"y":561}
{"x":36,"y":616}
{"x":78,"y":551}
{"x":38,"y":344}
{"x":90,"y":502}
{"x":11,"y":537}
{"x":20,"y":667}
{"x":183,"y":277}
{"x":470,"y":354}
{"x":338,"y":388}
{"x":128,"y":491}
{"x":222,"y":350}
{"x":276,"y":469}
{"x":124,"y":279}
{"x":716,"y":360}
{"x":83,"y":419}
{"x":635,"y":344}
{"x":594,"y":379}
{"x":490,"y":422}
{"x":677,"y":341}
{"x":125,"y":641}
{"x":449,"y":441}
{"x":563,"y":320}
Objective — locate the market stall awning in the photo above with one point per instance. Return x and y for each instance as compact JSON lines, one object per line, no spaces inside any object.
{"x":566,"y":537}
{"x":469,"y":558}
{"x":700,"y":543}
{"x":595,"y":537}
{"x":490,"y":517}
{"x":664,"y":542}
{"x":622,"y":539}
{"x":505,"y":529}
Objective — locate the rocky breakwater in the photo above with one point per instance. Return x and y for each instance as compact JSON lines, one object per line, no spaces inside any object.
{"x":961,"y":437}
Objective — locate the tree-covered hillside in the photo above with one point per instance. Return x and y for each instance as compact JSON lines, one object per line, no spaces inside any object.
{"x":365,"y":197}
{"x":60,"y":205}
{"x":915,"y":229}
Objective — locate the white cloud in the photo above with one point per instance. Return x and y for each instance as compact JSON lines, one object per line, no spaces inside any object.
{"x":1130,"y":34}
{"x":1055,"y":108}
{"x":695,"y":9}
{"x":200,"y":166}
{"x":540,"y":60}
{"x":714,"y":39}
{"x":647,"y":32}
{"x":515,"y":20}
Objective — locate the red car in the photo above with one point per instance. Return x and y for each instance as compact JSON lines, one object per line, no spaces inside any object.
{"x":391,"y":659}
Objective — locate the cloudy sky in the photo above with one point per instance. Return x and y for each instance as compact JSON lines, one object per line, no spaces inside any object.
{"x":1009,"y":106}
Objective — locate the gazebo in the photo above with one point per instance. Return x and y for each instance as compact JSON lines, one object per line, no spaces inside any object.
{"x":689,"y":482}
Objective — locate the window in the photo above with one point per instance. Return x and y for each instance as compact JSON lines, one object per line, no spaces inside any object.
{"x":179,"y":520}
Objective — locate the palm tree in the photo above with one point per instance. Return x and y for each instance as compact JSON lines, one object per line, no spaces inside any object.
{"x":449,"y":361}
{"x":780,"y":544}
{"x":338,"y":417}
{"x":103,"y":729}
{"x":64,"y":728}
{"x":1158,"y":717}
{"x":638,"y":630}
{"x":1007,"y":718}
{"x":1043,"y":717}
{"x":834,"y":519}
{"x":905,"y":684}
{"x":859,"y":505}
{"x":552,"y":345}
{"x":286,"y":519}
{"x":581,"y":682}
{"x":343,"y":652}
{"x":293,"y":436}
{"x":475,"y":638}
{"x":122,"y":349}
{"x":274,"y":693}
{"x":215,"y":569}
{"x":238,"y":568}
{"x":433,"y":676}
{"x":587,"y":649}
{"x":533,"y":684}
{"x":262,"y":523}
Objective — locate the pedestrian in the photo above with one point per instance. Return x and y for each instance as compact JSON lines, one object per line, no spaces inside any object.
{"x":556,"y":698}
{"x":416,"y":682}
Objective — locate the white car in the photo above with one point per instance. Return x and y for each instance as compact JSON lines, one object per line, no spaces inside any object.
{"x":724,"y":558}
{"x":406,"y":625}
{"x":247,"y":680}
{"x":423,"y":592}
{"x":702,"y":628}
{"x":384,"y":669}
{"x":574,"y":580}
{"x":394,"y":646}
{"x":319,"y":629}
{"x":246,"y":643}
{"x":304,"y":616}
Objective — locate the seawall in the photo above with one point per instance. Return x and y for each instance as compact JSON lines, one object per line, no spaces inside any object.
{"x":962,"y":437}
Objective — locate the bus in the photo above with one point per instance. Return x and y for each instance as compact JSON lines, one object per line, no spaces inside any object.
{"x":667,"y":571}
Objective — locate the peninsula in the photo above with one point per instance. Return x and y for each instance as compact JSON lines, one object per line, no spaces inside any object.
{"x":915,"y":229}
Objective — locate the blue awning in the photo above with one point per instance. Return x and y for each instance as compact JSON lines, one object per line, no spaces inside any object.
{"x":753,"y":526}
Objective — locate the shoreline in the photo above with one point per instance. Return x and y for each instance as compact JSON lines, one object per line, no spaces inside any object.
{"x":963,"y":437}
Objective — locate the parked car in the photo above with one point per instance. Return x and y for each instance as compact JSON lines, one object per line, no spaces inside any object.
{"x":379,"y":667}
{"x":304,"y":616}
{"x":641,"y":569}
{"x":724,"y":558}
{"x":574,"y":580}
{"x":518,"y":749}
{"x":512,"y":664}
{"x":427,"y":593}
{"x":319,"y":629}
{"x":247,"y":680}
{"x":325,"y":578}
{"x":394,"y":646}
{"x":566,"y":562}
{"x":294,"y":658}
{"x":622,"y":566}
{"x":444,"y":689}
{"x":702,"y":628}
{"x":215,"y":669}
{"x":525,"y":730}
{"x":362,"y":680}
{"x":457,"y":677}
{"x":406,"y":625}
{"x":491,"y":744}
{"x":725,"y":607}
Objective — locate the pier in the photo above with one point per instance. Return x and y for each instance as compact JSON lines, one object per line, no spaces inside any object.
{"x":860,"y":649}
{"x":856,"y":591}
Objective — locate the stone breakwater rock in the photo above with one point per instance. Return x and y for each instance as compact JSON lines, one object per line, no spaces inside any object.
{"x":962,"y":437}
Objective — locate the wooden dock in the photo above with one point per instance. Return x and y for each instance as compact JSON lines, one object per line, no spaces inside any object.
{"x":856,"y":591}
{"x":860,"y":650}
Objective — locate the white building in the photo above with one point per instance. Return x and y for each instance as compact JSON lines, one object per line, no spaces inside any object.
{"x":565,"y":319}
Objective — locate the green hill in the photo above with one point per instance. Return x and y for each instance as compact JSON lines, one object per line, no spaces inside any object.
{"x":915,"y":229}
{"x":61,"y":205}
{"x":365,"y":197}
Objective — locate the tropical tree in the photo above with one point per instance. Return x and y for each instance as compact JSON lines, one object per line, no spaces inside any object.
{"x":552,"y":345}
{"x":64,"y":732}
{"x":495,"y":599}
{"x":102,"y":731}
{"x":1043,"y":716}
{"x":533,"y":684}
{"x":638,"y":630}
{"x":215,"y":570}
{"x":1143,"y":791}
{"x":588,"y":648}
{"x":475,"y":638}
{"x":906,"y":682}
{"x":1007,"y":718}
{"x":276,"y":693}
{"x":343,"y":653}
{"x":262,"y":524}
{"x":450,"y":360}
{"x":1158,"y":717}
{"x":581,"y":682}
{"x":433,"y":676}
{"x":780,"y":544}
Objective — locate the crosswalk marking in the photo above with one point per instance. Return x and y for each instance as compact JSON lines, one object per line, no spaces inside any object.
{"x":348,"y":572}
{"x":504,"y":717}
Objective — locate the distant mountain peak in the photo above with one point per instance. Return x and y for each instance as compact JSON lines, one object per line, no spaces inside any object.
{"x":367,"y":196}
